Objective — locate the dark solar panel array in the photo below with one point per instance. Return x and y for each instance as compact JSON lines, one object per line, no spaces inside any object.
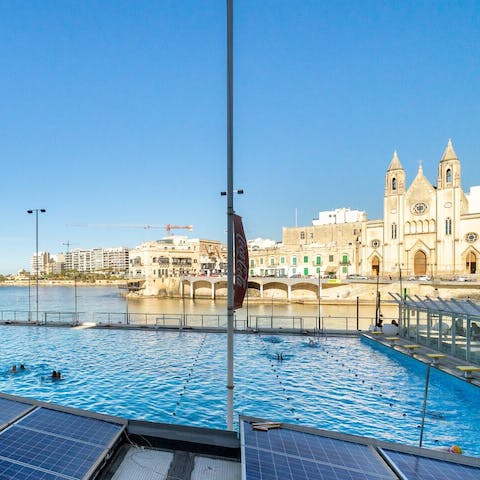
{"x":10,"y":410}
{"x":85,"y":429}
{"x":421,"y":468}
{"x":287,"y":454}
{"x":292,"y":455}
{"x":13,"y":471}
{"x":49,"y":445}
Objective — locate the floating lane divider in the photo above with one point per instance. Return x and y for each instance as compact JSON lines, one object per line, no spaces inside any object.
{"x":189,"y":376}
{"x":280,"y":358}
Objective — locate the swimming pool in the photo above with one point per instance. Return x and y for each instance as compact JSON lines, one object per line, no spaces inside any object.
{"x":341,"y":384}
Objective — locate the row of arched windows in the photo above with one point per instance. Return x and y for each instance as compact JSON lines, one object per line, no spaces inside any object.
{"x":420,"y":226}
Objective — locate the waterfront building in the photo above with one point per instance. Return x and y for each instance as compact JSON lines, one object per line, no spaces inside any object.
{"x":426,"y":229}
{"x":99,"y":260}
{"x":152,"y":264}
{"x":324,"y":248}
{"x":43,"y":261}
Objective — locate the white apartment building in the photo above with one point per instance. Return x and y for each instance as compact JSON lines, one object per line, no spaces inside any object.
{"x":114,"y":260}
{"x":42,"y":262}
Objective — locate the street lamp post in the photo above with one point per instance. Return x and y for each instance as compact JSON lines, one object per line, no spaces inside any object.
{"x":36,"y":210}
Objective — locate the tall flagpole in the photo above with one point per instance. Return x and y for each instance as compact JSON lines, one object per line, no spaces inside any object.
{"x":230,"y":213}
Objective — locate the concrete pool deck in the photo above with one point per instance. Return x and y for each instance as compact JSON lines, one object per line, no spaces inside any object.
{"x":443,"y":362}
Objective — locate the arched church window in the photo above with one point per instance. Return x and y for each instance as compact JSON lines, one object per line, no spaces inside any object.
{"x":394,"y":183}
{"x":448,"y":226}
{"x":394,"y":231}
{"x":448,"y":176}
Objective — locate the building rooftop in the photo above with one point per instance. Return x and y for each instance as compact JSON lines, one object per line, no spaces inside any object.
{"x":47,"y":442}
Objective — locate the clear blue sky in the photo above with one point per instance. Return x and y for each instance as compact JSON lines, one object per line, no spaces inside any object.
{"x":113,"y":112}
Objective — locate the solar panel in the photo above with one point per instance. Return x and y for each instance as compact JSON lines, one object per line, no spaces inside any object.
{"x":54,"y":454}
{"x":290,"y":454}
{"x":10,"y":409}
{"x":85,"y":429}
{"x":15,"y":471}
{"x":414,"y":467}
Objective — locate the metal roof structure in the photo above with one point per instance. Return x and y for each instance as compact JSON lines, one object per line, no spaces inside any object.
{"x":452,"y":307}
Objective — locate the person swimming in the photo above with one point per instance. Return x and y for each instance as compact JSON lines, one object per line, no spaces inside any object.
{"x":13,"y":369}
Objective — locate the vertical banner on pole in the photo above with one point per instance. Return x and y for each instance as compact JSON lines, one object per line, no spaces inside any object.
{"x":241,"y":263}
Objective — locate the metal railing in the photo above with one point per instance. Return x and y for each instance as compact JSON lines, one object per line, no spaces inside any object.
{"x":292,"y":323}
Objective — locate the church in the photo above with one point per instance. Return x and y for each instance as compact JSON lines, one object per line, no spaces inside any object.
{"x":427,"y":229}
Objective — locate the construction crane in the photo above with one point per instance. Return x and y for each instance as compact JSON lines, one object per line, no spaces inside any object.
{"x":167,"y":227}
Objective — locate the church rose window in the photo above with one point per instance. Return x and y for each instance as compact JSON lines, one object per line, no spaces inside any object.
{"x":471,"y":237}
{"x":419,"y":208}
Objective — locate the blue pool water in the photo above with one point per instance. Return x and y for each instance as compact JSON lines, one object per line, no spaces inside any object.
{"x":340,"y":384}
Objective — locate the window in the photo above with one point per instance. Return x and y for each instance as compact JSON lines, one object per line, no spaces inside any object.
{"x":311,"y":235}
{"x":344,"y":269}
{"x":305,"y":259}
{"x":394,"y":183}
{"x":282,"y":259}
{"x":318,"y":260}
{"x":448,"y":226}
{"x":448,"y":176}
{"x":252,"y":262}
{"x":344,"y":258}
{"x":251,"y":272}
{"x":305,"y":271}
{"x":294,"y":260}
{"x":318,"y":270}
{"x":302,"y":235}
{"x":394,"y":231}
{"x":261,"y":261}
{"x":272,"y":261}
{"x":330,"y":258}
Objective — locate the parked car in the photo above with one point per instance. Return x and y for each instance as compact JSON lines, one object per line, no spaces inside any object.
{"x":424,"y":278}
{"x":460,"y":279}
{"x":356,"y":276}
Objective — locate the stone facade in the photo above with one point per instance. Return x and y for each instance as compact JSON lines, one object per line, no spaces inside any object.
{"x":426,"y":230}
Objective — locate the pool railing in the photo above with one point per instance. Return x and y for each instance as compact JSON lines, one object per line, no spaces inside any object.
{"x":292,"y":323}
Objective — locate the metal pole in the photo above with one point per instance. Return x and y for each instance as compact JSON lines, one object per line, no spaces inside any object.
{"x":36,"y":265}
{"x":358,"y":311}
{"x":319,"y":299}
{"x":183,"y":320}
{"x":424,"y":404}
{"x":75,"y":293}
{"x":29,"y":299}
{"x":230,"y":213}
